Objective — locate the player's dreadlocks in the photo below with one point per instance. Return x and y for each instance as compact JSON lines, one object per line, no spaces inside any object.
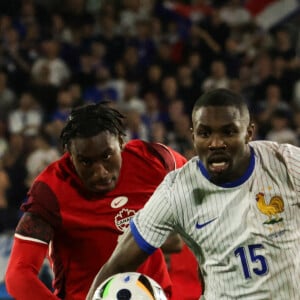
{"x":90,"y":120}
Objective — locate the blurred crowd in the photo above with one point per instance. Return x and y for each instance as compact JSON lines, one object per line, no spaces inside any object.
{"x":150,"y":59}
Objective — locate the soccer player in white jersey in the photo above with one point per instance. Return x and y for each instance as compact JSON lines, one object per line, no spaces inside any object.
{"x":237,"y":205}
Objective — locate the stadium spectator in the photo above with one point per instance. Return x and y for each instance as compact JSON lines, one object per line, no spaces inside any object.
{"x":42,"y":154}
{"x":143,"y":42}
{"x":195,"y":61}
{"x":188,"y":89}
{"x":169,"y":91}
{"x":135,"y":128}
{"x":4,"y":185}
{"x":217,"y":28}
{"x":3,"y":138}
{"x":283,"y":46}
{"x":56,"y":121}
{"x":176,"y":110}
{"x":103,"y":89}
{"x":27,"y":117}
{"x":59,"y":72}
{"x":217,"y":78}
{"x":134,"y":70}
{"x":152,"y":113}
{"x":13,"y":162}
{"x":152,"y":80}
{"x":16,"y":61}
{"x":281,"y":130}
{"x":159,"y":134}
{"x":85,"y":72}
{"x":7,"y":96}
{"x":181,"y":135}
{"x":109,"y":35}
{"x":163,"y":58}
{"x":133,"y":11}
{"x":59,"y":30}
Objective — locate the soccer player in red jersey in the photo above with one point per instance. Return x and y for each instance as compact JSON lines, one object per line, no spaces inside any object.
{"x":80,"y":205}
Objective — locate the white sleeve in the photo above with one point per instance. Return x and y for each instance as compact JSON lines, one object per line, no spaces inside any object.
{"x":152,"y":225}
{"x":291,"y":156}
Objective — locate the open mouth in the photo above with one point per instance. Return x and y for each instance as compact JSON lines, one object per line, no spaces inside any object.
{"x":218,"y":163}
{"x":218,"y":167}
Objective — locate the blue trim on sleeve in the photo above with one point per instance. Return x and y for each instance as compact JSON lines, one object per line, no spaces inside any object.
{"x":140,"y":240}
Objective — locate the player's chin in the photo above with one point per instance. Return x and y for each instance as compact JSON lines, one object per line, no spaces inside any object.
{"x":103,"y":187}
{"x":219,"y":177}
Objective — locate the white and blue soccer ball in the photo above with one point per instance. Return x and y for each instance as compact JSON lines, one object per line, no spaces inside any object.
{"x":129,"y":286}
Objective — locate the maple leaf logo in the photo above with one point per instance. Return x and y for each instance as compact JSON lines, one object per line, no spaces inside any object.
{"x":123,"y":218}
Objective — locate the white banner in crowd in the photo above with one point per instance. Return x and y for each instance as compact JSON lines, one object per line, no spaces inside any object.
{"x":269,"y":13}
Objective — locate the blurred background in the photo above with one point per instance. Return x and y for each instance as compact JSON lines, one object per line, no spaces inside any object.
{"x":151,"y":59}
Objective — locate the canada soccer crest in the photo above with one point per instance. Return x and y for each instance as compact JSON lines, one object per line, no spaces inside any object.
{"x":123,"y":217}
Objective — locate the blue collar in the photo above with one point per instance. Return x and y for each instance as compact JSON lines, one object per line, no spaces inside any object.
{"x":238,"y":181}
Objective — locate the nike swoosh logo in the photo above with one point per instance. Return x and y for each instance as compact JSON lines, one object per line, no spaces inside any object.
{"x":119,"y":201}
{"x":199,"y":226}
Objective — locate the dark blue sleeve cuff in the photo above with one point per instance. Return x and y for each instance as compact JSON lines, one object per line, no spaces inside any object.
{"x":140,"y":240}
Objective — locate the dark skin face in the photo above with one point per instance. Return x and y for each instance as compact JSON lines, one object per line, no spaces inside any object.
{"x":221,"y":135}
{"x":97,"y":160}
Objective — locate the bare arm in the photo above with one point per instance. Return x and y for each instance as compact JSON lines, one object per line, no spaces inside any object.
{"x":173,"y":244}
{"x":126,"y":257}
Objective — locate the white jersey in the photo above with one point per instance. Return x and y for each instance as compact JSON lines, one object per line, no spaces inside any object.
{"x":246,"y":236}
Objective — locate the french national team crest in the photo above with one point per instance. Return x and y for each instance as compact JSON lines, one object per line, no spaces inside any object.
{"x":123,"y":217}
{"x":272,"y":209}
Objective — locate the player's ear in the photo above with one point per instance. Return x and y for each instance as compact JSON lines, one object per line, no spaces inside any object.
{"x":192,"y":132}
{"x":121,"y":142}
{"x":250,"y":132}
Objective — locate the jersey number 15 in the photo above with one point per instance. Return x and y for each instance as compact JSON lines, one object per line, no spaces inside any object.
{"x":257,"y":262}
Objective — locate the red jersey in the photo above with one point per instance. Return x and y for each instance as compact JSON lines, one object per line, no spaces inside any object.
{"x":87,"y":226}
{"x":183,"y":270}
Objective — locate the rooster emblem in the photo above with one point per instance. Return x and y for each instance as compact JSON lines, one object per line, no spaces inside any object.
{"x":275,"y":207}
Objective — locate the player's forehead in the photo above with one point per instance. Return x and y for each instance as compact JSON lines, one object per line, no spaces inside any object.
{"x":213,"y":116}
{"x":94,"y":145}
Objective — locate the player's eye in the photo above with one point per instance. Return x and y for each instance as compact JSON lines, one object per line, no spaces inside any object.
{"x":203,"y":133}
{"x":107,"y":156}
{"x":86,"y":162}
{"x":230,"y":132}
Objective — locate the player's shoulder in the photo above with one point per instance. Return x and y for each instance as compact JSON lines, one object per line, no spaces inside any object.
{"x":156,"y":151}
{"x":271,"y":154}
{"x":274,"y":148}
{"x":59,"y":169}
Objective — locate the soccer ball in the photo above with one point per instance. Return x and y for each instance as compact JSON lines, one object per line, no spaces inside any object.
{"x":129,"y":286}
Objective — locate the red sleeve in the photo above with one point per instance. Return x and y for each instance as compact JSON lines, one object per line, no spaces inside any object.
{"x":169,"y":157}
{"x":22,"y":271}
{"x":179,"y":159}
{"x":43,"y":203}
{"x":156,"y":268}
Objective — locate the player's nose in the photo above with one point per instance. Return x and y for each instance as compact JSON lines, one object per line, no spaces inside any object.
{"x":100,"y":171}
{"x":217,"y":143}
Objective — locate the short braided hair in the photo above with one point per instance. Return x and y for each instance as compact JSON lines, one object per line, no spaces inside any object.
{"x":90,"y":120}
